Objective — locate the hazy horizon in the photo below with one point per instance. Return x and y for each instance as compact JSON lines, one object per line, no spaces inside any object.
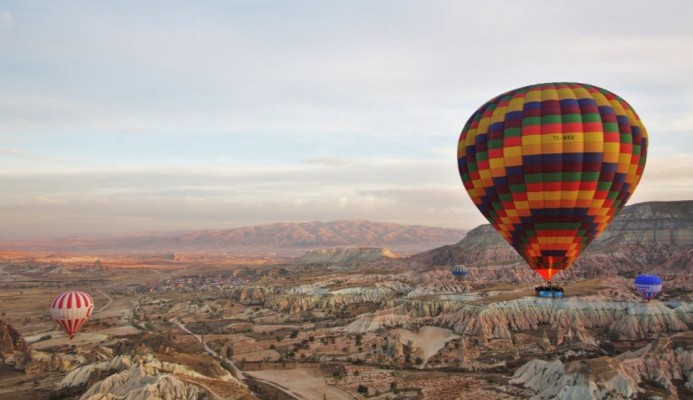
{"x":168,"y":116}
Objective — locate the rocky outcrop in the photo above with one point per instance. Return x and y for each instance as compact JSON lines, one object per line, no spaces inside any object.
{"x":148,"y":378}
{"x":658,"y":364}
{"x":81,"y":376}
{"x":254,"y":294}
{"x":378,"y":320}
{"x":571,"y":319}
{"x":346,"y":255}
{"x":595,"y":379}
{"x":482,"y":246}
{"x":645,"y":321}
{"x":333,"y":300}
{"x":13,"y":348}
{"x":139,"y":383}
{"x":659,"y":222}
{"x":653,"y":236}
{"x":60,"y":362}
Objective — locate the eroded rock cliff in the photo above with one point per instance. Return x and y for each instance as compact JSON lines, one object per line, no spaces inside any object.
{"x":13,"y":349}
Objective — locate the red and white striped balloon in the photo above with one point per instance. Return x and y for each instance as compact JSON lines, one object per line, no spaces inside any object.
{"x":71,"y":309}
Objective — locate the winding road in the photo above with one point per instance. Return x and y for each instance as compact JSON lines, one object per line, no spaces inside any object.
{"x":110,"y":300}
{"x":235,"y":370}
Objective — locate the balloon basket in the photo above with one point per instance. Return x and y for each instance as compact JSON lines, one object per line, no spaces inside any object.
{"x":549,"y":291}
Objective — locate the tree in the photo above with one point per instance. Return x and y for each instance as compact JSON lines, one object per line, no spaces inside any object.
{"x":362,"y":389}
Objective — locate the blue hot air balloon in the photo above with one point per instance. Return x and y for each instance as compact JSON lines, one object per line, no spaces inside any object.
{"x":459,"y":271}
{"x":648,"y":286}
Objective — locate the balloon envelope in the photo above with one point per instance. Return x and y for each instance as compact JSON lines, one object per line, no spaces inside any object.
{"x":71,"y":310}
{"x":648,"y":285}
{"x":459,"y":271}
{"x":550,"y":165}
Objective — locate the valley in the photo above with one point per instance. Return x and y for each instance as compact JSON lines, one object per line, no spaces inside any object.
{"x":351,"y":322}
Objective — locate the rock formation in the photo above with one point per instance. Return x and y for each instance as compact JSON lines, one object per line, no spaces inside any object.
{"x":60,"y":362}
{"x":13,"y":349}
{"x":595,"y":379}
{"x":571,"y":319}
{"x":653,"y":236}
{"x":658,"y":363}
{"x":345,"y":255}
{"x":145,"y":377}
{"x":381,"y":319}
{"x":333,"y":300}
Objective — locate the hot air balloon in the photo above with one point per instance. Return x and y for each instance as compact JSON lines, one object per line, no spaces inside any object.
{"x":648,"y":286}
{"x":550,"y":165}
{"x":459,"y":271}
{"x":71,"y":309}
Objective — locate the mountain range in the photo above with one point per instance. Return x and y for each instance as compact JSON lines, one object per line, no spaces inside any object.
{"x":283,"y":239}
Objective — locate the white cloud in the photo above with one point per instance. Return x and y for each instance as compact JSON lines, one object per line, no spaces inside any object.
{"x":6,"y":19}
{"x":235,"y":113}
{"x":329,"y":161}
{"x":666,"y":178}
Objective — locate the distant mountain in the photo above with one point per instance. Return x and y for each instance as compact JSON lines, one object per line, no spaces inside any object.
{"x":652,"y":236}
{"x":285,"y":239}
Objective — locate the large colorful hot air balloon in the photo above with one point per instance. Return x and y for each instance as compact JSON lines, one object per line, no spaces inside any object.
{"x":71,"y":309}
{"x":459,"y":271}
{"x":550,"y":165}
{"x":648,"y":286}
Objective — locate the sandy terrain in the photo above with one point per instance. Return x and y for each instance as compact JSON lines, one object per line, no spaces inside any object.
{"x":59,"y":338}
{"x":120,"y":331}
{"x":427,"y":341}
{"x":308,"y":383}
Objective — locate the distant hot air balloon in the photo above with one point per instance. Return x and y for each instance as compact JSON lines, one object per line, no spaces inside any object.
{"x":459,"y":271}
{"x":648,"y":286}
{"x":550,"y":165}
{"x":71,"y":309}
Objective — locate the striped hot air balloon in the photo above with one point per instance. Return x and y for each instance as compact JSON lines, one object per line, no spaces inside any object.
{"x":648,"y":286}
{"x":71,"y":309}
{"x":459,"y":271}
{"x":550,"y":165}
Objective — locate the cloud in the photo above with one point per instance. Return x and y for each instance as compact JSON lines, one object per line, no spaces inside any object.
{"x":666,"y":178}
{"x":6,"y":19}
{"x":13,"y":152}
{"x":329,"y":161}
{"x":160,"y":199}
{"x":222,"y":114}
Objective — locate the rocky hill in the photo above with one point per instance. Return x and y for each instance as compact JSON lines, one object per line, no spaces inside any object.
{"x":658,"y":363}
{"x":346,"y":255}
{"x":13,"y":349}
{"x":288,"y":239}
{"x":653,"y":236}
{"x":145,"y":377}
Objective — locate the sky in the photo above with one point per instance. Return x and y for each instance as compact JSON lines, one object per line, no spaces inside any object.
{"x":134,"y":116}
